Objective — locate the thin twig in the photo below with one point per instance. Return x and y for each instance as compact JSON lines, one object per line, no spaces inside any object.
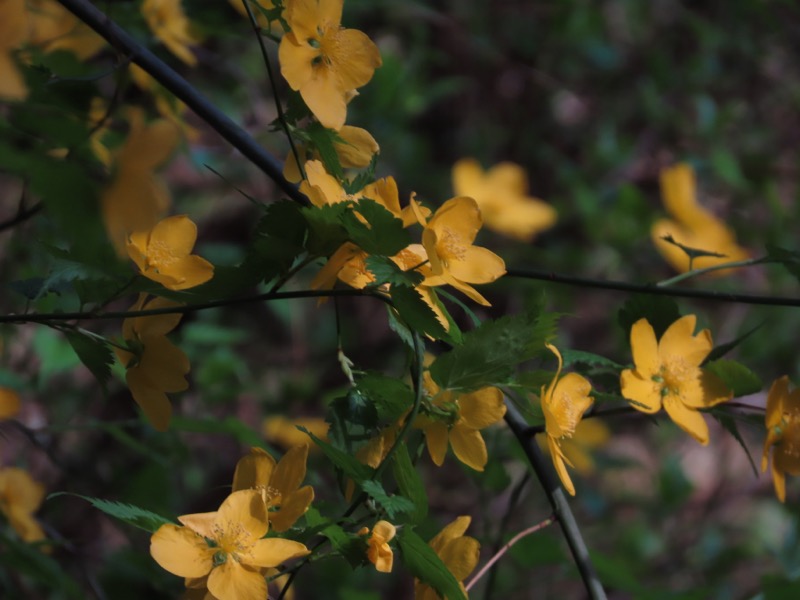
{"x":167,"y":77}
{"x":652,"y":289}
{"x":524,"y":533}
{"x":22,"y":215}
{"x":558,"y":502}
{"x":750,"y":262}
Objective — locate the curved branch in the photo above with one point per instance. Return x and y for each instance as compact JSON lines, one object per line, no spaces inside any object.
{"x":651,"y":289}
{"x":558,"y":501}
{"x":166,"y":76}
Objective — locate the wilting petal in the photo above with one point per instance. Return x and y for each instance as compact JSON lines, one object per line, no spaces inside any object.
{"x":164,"y":365}
{"x":691,"y":421}
{"x":232,"y":581}
{"x":558,"y":462}
{"x":469,"y":447}
{"x":778,"y":394}
{"x":181,"y":551}
{"x":454,"y":530}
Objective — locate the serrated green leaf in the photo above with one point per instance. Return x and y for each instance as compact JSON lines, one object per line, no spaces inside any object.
{"x":322,"y":139}
{"x":391,"y":397}
{"x":127,"y":513}
{"x":416,"y":313}
{"x":572,"y":357}
{"x":342,"y":460}
{"x":385,"y":270}
{"x":94,"y":354}
{"x":394,"y":505}
{"x":410,"y":484}
{"x":325,"y":230}
{"x":739,"y":379}
{"x":426,"y":565}
{"x":660,"y":312}
{"x":489,"y":354}
{"x":382,"y":234}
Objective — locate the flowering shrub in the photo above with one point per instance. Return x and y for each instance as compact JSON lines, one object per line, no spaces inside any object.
{"x":320,"y":430}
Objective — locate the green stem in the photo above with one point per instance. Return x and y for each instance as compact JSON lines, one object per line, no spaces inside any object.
{"x":730,"y":265}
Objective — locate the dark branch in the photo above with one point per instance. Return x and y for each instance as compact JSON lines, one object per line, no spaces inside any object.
{"x":651,"y":288}
{"x":166,"y":76}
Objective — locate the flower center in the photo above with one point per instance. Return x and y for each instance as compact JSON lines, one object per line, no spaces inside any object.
{"x":451,"y":246}
{"x":674,"y":374}
{"x":159,"y":255}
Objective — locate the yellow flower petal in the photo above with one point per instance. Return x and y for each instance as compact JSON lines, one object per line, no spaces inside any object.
{"x":291,"y":470}
{"x":242,"y":516}
{"x":293,"y":506}
{"x":9,"y":403}
{"x":181,"y":551}
{"x":164,"y":365}
{"x":679,"y":339}
{"x":153,"y":402}
{"x":436,"y":439}
{"x":461,"y":556}
{"x":271,"y":552}
{"x":644,"y":348}
{"x":558,"y":461}
{"x":646,"y":393}
{"x":253,"y":470}
{"x":691,"y":421}
{"x":454,"y":530}
{"x":479,"y":265}
{"x":233,"y":581}
{"x":469,"y":447}
{"x":200,"y":523}
{"x":482,"y":408}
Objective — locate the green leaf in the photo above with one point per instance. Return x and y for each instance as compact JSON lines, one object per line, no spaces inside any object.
{"x":426,"y":565}
{"x":382,"y":234}
{"x":394,"y":505}
{"x":353,"y":548}
{"x":322,"y":139}
{"x":410,"y":484}
{"x":391,"y":397}
{"x":723,"y":349}
{"x":385,"y":270}
{"x":660,"y":312}
{"x":127,"y":513}
{"x":788,"y":258}
{"x":489,"y":354}
{"x":729,"y":424}
{"x":325,"y":230}
{"x":342,"y":460}
{"x":95,"y":354}
{"x":228,"y":426}
{"x":416,"y":313}
{"x":572,"y":357}
{"x":739,"y":379}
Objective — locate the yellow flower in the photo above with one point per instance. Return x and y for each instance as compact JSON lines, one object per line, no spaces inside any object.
{"x":355,"y":151}
{"x":563,"y":403}
{"x":13,"y":33}
{"x":284,"y":432}
{"x":136,"y":199}
{"x":667,"y":373}
{"x":783,"y":434}
{"x":278,"y":483}
{"x":9,"y":403}
{"x":156,"y":366}
{"x":456,"y":420}
{"x":163,"y":254}
{"x":458,"y":552}
{"x":53,"y":28}
{"x":323,"y":61}
{"x":168,"y":23}
{"x":20,"y":497}
{"x":693,"y":226}
{"x":448,"y":238}
{"x":589,"y":434}
{"x":227,"y":546}
{"x":501,"y":194}
{"x":379,"y":552}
